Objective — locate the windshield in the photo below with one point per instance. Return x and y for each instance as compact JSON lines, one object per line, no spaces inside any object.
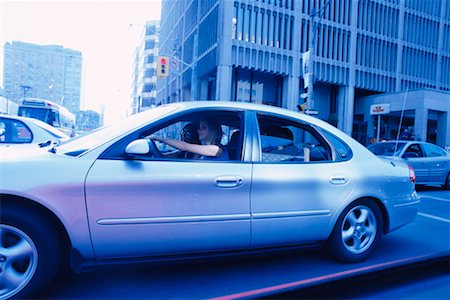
{"x":35,"y":113}
{"x":387,"y":149}
{"x":96,"y":138}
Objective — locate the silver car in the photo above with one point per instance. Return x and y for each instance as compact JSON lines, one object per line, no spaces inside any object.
{"x":115,"y":195}
{"x":430,"y":162}
{"x":15,"y":130}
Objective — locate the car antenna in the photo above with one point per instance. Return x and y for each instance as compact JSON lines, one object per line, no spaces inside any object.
{"x":401,"y":121}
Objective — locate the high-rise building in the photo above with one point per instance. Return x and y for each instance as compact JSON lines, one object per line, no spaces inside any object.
{"x":254,"y":50}
{"x":50,"y":72}
{"x":143,"y":95}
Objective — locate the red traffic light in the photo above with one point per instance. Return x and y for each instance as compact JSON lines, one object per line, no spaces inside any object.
{"x":163,"y":61}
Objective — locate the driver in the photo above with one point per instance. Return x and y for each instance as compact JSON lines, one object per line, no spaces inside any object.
{"x":188,"y":134}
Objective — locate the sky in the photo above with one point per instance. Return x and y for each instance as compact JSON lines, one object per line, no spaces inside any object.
{"x":100,"y":30}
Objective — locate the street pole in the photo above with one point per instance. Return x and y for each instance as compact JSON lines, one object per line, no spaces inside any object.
{"x":310,"y":105}
{"x":312,"y":39}
{"x":378,"y":128}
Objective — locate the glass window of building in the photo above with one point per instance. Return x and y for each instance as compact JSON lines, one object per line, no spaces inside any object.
{"x":252,"y":86}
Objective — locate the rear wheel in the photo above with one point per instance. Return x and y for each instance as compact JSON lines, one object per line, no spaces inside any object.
{"x":357,"y":231}
{"x":29,"y":253}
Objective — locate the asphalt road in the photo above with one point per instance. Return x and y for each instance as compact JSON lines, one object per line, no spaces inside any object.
{"x":425,"y":239}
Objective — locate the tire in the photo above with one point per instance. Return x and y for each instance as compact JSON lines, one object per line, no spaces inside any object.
{"x":356,"y":232}
{"x":29,"y":253}
{"x":446,"y":185}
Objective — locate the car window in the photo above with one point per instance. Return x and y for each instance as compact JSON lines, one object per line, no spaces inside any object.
{"x":431,"y":150}
{"x":288,"y":141}
{"x":414,"y":150}
{"x":185,"y":128}
{"x":386,"y":148}
{"x":15,"y":132}
{"x":343,"y":150}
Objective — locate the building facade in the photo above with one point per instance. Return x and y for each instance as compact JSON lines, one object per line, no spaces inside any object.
{"x":50,"y":72}
{"x":143,"y":95}
{"x":251,"y":50}
{"x":87,"y":120}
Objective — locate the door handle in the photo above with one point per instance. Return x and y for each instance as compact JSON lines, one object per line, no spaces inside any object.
{"x":228,"y":181}
{"x":338,"y":180}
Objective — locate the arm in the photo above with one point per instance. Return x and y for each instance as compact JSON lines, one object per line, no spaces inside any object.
{"x":205,"y":150}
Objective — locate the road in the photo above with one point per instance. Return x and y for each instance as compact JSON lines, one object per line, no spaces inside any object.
{"x":422,"y":240}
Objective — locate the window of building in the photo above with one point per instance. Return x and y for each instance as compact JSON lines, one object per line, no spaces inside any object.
{"x":150,"y":59}
{"x":150,"y":44}
{"x":256,"y":87}
{"x":150,"y":30}
{"x":148,"y":101}
{"x":148,"y":87}
{"x":149,"y":73}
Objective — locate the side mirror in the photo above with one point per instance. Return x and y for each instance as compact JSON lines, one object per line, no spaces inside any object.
{"x":138,"y":147}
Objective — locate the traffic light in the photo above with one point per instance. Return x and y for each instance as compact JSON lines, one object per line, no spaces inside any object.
{"x":162,"y":68}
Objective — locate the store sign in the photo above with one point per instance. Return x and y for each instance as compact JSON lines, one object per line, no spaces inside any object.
{"x":380,"y":109}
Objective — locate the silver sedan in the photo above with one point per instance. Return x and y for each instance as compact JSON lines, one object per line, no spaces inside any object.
{"x":117,"y":196}
{"x":430,"y":162}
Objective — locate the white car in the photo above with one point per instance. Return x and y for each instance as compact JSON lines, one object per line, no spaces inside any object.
{"x":15,"y":130}
{"x":116,"y":196}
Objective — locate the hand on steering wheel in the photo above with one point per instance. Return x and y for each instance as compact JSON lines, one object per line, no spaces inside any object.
{"x":154,"y":149}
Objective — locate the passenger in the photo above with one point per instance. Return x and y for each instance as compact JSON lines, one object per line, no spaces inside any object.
{"x":210,"y":135}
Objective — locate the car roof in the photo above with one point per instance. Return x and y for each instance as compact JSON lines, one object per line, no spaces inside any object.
{"x":253,"y":107}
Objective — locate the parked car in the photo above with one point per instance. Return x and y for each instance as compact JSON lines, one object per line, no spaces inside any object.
{"x":15,"y":130}
{"x":116,"y":196}
{"x":431,"y":163}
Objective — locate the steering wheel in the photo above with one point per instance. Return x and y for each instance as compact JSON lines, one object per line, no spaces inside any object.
{"x":154,"y":149}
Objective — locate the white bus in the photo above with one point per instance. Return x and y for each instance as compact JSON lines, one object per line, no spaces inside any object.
{"x":49,"y":112}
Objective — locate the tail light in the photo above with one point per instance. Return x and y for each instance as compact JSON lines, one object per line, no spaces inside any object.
{"x":412,"y":174}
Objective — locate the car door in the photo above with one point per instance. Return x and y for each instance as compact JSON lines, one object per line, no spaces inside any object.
{"x":437,"y":162}
{"x":296,"y":184}
{"x":414,"y":154}
{"x":159,"y":206}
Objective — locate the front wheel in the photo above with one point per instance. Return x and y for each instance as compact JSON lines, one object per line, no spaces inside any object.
{"x":446,"y":185}
{"x":357,"y":231}
{"x":29,"y":253}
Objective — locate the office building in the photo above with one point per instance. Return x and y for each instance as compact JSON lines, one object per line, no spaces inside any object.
{"x":50,"y":72}
{"x":252,"y":50}
{"x":143,"y":94}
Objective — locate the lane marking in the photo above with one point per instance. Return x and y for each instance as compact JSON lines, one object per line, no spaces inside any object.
{"x":434,"y":217}
{"x":434,"y":198}
{"x":319,"y":279}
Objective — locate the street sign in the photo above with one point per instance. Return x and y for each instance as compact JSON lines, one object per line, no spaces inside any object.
{"x":380,"y":109}
{"x":311,"y":112}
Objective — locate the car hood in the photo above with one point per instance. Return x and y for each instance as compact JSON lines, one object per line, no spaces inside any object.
{"x":22,"y":152}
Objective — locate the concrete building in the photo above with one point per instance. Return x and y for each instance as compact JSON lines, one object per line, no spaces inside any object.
{"x":88,"y":120}
{"x":50,"y":72}
{"x":251,"y":50}
{"x":143,"y":95}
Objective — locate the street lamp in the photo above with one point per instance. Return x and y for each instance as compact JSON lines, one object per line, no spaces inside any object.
{"x":25,"y":89}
